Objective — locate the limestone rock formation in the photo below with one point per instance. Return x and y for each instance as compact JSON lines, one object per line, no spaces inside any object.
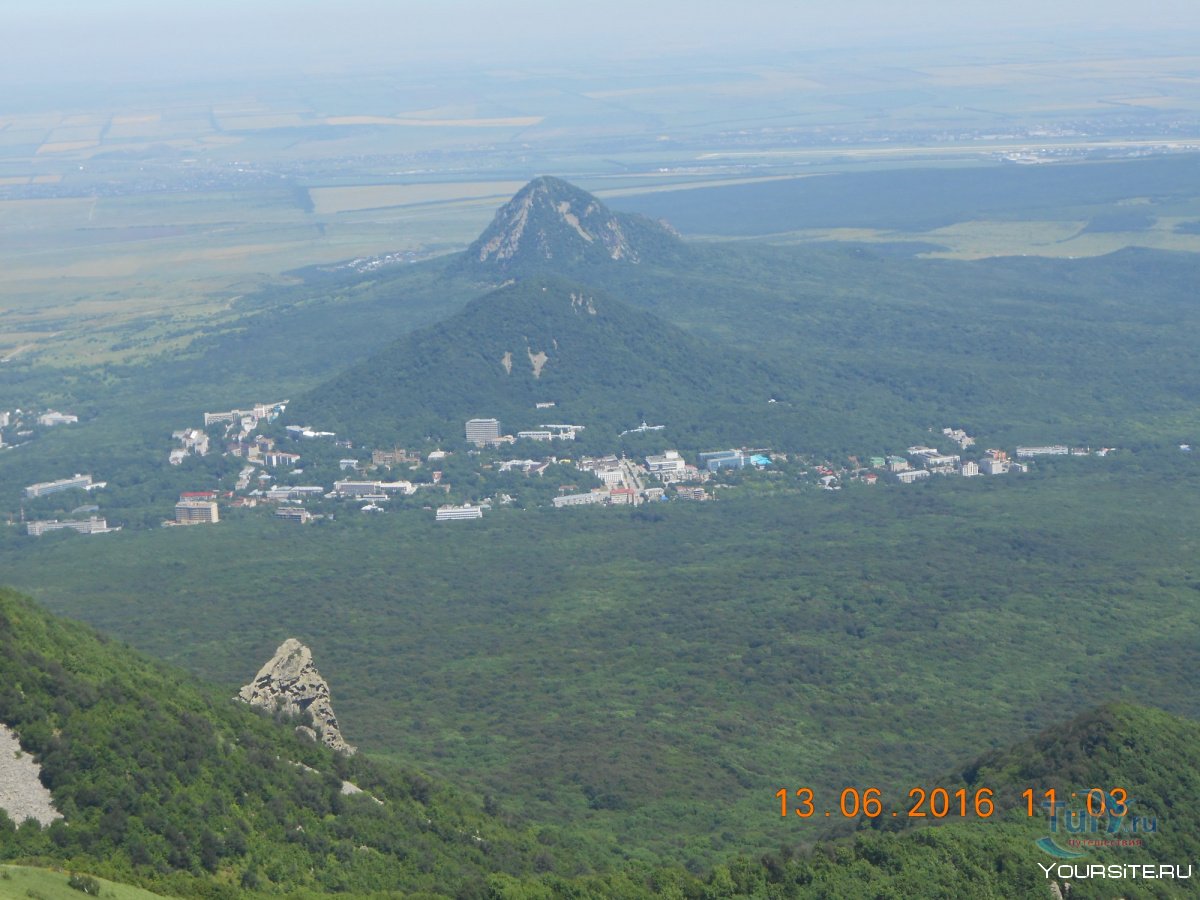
{"x":291,"y":683}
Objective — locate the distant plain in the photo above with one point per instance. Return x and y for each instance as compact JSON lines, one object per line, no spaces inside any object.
{"x":151,"y":206}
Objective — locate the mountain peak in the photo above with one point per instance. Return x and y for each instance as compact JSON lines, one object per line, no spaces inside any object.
{"x":550,"y":223}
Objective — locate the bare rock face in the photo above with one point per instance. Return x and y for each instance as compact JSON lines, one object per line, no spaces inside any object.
{"x":291,"y":683}
{"x":22,"y":794}
{"x":550,"y":221}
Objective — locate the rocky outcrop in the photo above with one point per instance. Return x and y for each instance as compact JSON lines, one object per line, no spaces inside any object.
{"x":550,"y":224}
{"x":291,"y":684}
{"x":22,"y":794}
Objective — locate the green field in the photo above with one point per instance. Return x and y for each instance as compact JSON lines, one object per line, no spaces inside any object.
{"x":28,"y":883}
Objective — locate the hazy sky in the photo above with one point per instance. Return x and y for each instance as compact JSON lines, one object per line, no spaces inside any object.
{"x":67,"y":40}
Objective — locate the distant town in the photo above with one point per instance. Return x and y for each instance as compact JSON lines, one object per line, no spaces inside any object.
{"x":273,"y":463}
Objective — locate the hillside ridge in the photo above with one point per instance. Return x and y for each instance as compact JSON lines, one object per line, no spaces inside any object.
{"x":602,"y":363}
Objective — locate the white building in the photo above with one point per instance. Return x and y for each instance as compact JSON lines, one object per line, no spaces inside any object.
{"x":1055,"y":450}
{"x":668,"y":467}
{"x":453,"y":513}
{"x":597,"y":496}
{"x":398,"y":487}
{"x":357,"y":488}
{"x":91,"y":525}
{"x":610,"y":477}
{"x":268,"y":411}
{"x":63,"y":484}
{"x":279,"y":458}
{"x":294,"y":514}
{"x":481,"y":431}
{"x":939,"y":460}
{"x":563,"y":432}
{"x":51,"y":418}
{"x":959,"y":437}
{"x":193,"y":440}
{"x":294,"y":492}
{"x":196,"y":512}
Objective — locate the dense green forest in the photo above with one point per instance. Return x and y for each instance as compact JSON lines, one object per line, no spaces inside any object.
{"x":648,"y":675}
{"x":168,"y":784}
{"x":862,"y":351}
{"x":604,"y":364}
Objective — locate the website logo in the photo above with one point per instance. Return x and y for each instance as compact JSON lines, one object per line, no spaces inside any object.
{"x":1074,"y":831}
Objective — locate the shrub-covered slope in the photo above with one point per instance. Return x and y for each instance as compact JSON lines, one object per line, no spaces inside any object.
{"x":169,"y":785}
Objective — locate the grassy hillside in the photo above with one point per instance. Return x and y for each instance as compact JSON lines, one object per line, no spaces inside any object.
{"x":29,"y":883}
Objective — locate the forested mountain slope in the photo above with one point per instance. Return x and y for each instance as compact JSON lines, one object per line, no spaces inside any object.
{"x":603,"y":363}
{"x":171,"y":785}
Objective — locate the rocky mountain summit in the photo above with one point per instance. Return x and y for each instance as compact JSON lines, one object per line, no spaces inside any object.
{"x":550,"y":223}
{"x":290,"y":682}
